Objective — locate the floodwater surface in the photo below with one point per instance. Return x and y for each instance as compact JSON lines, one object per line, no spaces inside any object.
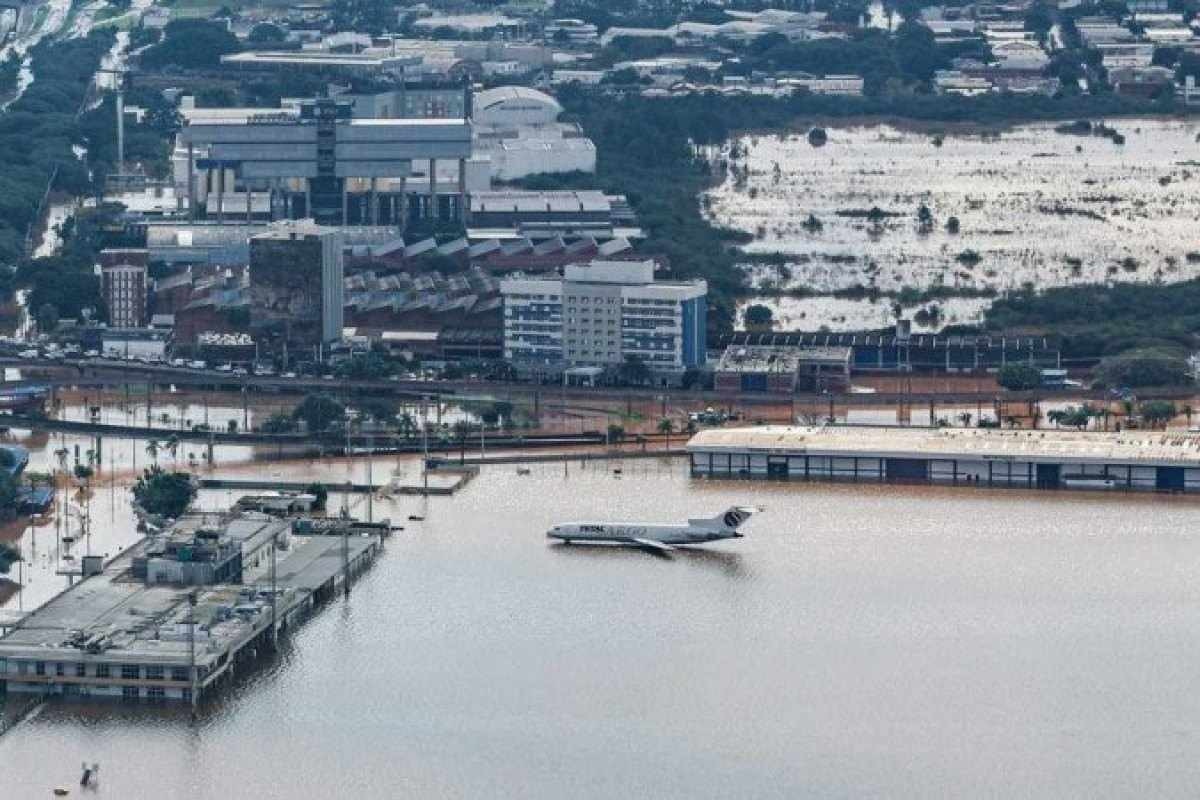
{"x":860,"y":641}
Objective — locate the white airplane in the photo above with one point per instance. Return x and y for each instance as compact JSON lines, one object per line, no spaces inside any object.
{"x":658,"y":538}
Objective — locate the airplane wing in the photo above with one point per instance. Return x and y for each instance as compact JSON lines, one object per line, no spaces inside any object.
{"x":653,"y":544}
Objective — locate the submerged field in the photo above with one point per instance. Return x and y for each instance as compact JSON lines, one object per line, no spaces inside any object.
{"x":1034,"y":208}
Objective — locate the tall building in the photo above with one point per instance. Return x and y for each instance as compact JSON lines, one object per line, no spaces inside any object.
{"x":123,"y":286}
{"x":296,"y":274}
{"x":601,"y":314}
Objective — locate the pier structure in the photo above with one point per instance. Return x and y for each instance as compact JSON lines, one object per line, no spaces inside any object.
{"x":172,"y":616}
{"x":1165,"y":461}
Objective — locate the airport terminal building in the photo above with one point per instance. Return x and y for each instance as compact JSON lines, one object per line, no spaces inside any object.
{"x":1052,"y":459}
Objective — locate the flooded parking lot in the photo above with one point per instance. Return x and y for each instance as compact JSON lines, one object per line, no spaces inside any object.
{"x":1034,"y":207}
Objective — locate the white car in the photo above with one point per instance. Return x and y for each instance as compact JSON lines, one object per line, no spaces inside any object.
{"x":28,"y":354}
{"x":225,"y":368}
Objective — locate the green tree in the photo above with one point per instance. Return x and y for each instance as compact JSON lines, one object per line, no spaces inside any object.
{"x":191,"y":44}
{"x":462,"y":431}
{"x":666,"y":427}
{"x":9,"y":555}
{"x":279,"y":422}
{"x":380,"y":409}
{"x":1018,"y":377}
{"x":1157,"y":413}
{"x":924,"y":219}
{"x":1145,"y":367}
{"x":633,"y":371}
{"x":364,"y":16}
{"x":319,"y":412}
{"x":616,"y":433}
{"x":166,"y":494}
{"x":47,"y":318}
{"x":318,"y":490}
{"x":265,"y":33}
{"x":759,"y":316}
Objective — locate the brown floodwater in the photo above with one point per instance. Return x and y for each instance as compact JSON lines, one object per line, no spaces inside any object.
{"x":860,"y":641}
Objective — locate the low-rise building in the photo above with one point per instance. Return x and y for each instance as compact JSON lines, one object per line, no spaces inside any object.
{"x":783,"y":369}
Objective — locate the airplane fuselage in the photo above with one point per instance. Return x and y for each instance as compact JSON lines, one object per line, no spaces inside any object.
{"x":635,"y":533}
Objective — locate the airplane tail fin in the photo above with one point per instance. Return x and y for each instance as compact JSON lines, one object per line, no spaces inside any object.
{"x":730,"y":519}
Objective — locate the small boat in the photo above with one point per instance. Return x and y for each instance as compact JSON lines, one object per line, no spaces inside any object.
{"x":415,"y":518}
{"x":61,"y":792}
{"x":523,"y":470}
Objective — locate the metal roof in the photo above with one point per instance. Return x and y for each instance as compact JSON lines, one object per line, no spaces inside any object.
{"x":1057,"y":446}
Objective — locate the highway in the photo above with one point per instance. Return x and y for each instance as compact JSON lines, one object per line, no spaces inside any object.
{"x":102,"y":372}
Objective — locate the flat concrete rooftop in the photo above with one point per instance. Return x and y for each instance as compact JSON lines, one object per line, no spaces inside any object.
{"x":1056,"y":446}
{"x":147,"y":624}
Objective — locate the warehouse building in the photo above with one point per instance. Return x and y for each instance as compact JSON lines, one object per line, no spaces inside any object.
{"x":1131,"y":460}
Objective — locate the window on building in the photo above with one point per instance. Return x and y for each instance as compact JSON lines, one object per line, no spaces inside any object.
{"x":129,"y":692}
{"x":156,"y":693}
{"x":80,"y":670}
{"x":179,"y":673}
{"x":40,"y":668}
{"x":60,"y":669}
{"x":103,"y":671}
{"x":154,"y":673}
{"x":130,"y":672}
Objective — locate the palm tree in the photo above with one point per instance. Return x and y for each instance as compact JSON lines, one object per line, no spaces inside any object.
{"x":407,"y":425}
{"x":965,"y":418}
{"x":1055,"y":417}
{"x":1187,"y":410}
{"x":462,"y":430}
{"x":172,"y":446}
{"x":152,"y":450}
{"x":666,"y":426}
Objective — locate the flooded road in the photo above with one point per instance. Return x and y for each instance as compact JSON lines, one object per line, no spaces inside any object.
{"x":861,"y":640}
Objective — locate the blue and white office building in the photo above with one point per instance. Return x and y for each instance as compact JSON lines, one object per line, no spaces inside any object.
{"x":601,"y":313}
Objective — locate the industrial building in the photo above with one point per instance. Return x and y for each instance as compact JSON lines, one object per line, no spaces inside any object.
{"x":545,"y":214}
{"x":1132,"y":460}
{"x":783,"y":369}
{"x":317,"y":160}
{"x":601,"y":314}
{"x":901,"y":351}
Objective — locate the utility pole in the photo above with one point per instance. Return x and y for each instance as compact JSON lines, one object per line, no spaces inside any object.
{"x":370,"y":479}
{"x":192,"y":650}
{"x":346,"y":557}
{"x":274,"y":625}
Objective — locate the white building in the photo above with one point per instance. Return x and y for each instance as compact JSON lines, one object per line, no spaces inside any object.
{"x":572,"y":31}
{"x":602,"y":313}
{"x":1020,"y":56}
{"x":517,"y":129}
{"x":848,"y":85}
